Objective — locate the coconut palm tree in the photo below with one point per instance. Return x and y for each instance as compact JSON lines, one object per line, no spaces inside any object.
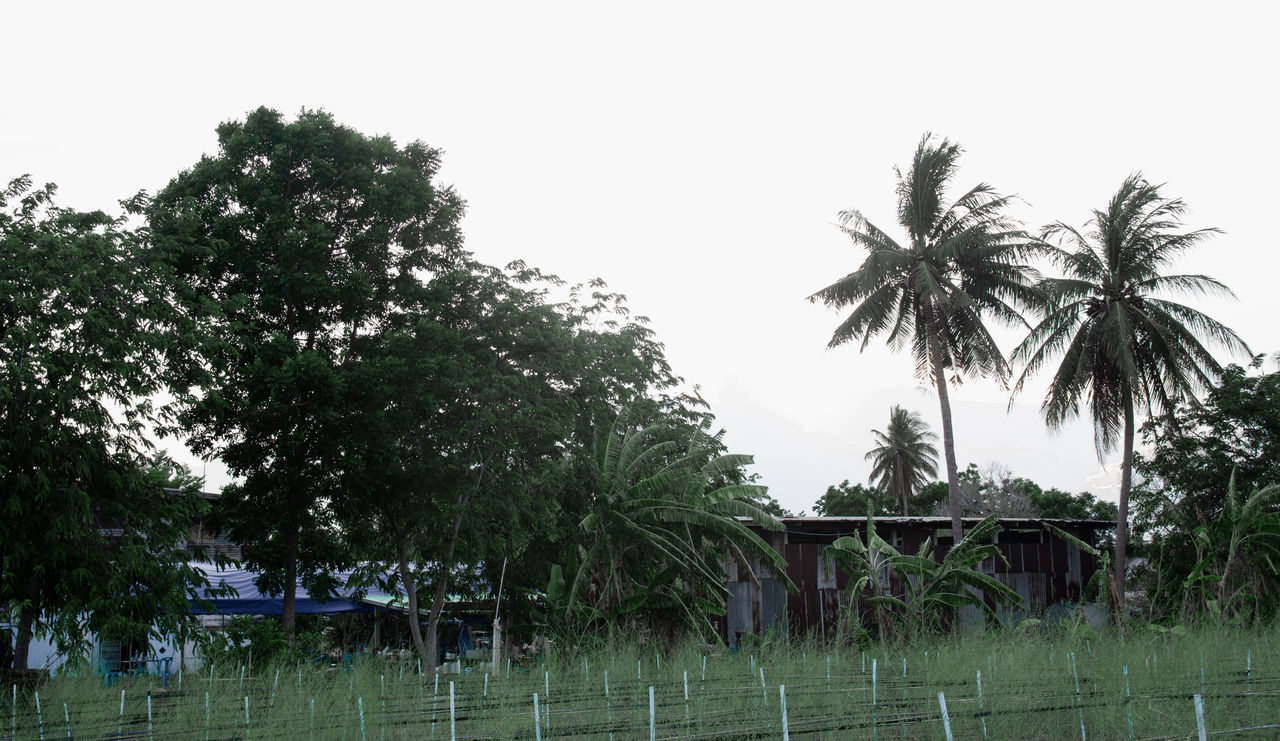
{"x":905,"y":458}
{"x":1125,"y":350}
{"x":962,"y":262}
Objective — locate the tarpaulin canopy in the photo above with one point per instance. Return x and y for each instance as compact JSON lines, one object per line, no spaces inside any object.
{"x":475,"y":613}
{"x":248,"y":599}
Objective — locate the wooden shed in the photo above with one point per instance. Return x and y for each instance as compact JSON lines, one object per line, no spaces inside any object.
{"x":1048,"y":571}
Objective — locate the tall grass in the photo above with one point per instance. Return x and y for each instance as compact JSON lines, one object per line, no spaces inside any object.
{"x":1032,"y":686}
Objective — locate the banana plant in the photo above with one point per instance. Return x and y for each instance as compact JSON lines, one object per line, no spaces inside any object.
{"x":1237,"y":556}
{"x":660,"y":522}
{"x":932,"y":590}
{"x":864,"y":559}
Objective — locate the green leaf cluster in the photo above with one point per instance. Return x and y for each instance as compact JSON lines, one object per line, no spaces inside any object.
{"x":666,"y":507}
{"x":1188,"y":513}
{"x":932,"y":589}
{"x":91,"y":540}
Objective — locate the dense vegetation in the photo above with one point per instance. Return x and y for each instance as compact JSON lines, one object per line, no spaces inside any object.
{"x":1026,"y":684}
{"x":301,"y":306}
{"x":1126,"y":348}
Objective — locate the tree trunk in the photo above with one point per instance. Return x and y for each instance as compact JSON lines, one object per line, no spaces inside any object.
{"x":26,"y":625}
{"x":948,"y":439}
{"x":290,"y":580}
{"x":1122,"y":517}
{"x":432,"y":643}
{"x":437,"y":602}
{"x":411,"y":591}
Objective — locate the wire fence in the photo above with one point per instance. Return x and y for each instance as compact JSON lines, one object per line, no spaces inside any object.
{"x":877,"y":698}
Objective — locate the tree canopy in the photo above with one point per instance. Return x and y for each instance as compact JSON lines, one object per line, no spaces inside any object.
{"x":292,"y":243}
{"x":904,"y":457}
{"x":90,"y":540}
{"x":984,"y":491}
{"x":962,"y":264}
{"x":1126,"y":348}
{"x":1183,"y":515}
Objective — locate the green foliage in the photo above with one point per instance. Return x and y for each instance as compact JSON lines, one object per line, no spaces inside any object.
{"x":246,"y":641}
{"x":89,"y":539}
{"x":853,"y":500}
{"x":984,"y":491}
{"x":662,"y":516}
{"x":1184,"y":497}
{"x":1125,"y":348}
{"x":904,"y":458}
{"x":1061,"y":505}
{"x":932,"y":589}
{"x":459,"y":408}
{"x":1236,"y":577}
{"x":1195,"y":450}
{"x":995,"y":489}
{"x":962,"y":263}
{"x":293,"y":243}
{"x":931,"y":499}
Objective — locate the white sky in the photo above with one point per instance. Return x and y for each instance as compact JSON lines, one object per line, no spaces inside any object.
{"x":695,"y":156}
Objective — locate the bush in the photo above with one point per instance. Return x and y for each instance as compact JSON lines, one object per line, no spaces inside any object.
{"x":246,"y":640}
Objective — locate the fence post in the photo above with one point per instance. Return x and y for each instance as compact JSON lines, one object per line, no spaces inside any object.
{"x":653,"y":728}
{"x":946,"y":720}
{"x":1128,"y":709}
{"x":981,"y":712}
{"x":537,"y":719}
{"x":782,"y":698}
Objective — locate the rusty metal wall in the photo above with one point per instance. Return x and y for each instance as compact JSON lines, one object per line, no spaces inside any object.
{"x":1042,"y":568}
{"x":739,"y":609}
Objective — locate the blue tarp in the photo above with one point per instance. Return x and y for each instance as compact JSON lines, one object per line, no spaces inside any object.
{"x":252,"y":601}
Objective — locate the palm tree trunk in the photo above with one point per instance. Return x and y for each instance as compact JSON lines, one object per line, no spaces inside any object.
{"x":948,"y":439}
{"x":1122,"y":516}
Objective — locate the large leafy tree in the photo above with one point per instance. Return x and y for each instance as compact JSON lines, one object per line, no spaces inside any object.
{"x":961,"y":264}
{"x":904,"y":459}
{"x":293,"y":241}
{"x":1192,"y":457}
{"x":854,"y":500}
{"x":1236,"y":428}
{"x":1126,"y":349}
{"x":460,"y":412}
{"x":90,"y":541}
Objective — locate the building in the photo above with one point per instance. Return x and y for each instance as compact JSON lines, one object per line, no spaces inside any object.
{"x":201,"y":536}
{"x":1048,"y":571}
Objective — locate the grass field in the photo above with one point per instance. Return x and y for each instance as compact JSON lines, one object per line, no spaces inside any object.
{"x":1051,"y":686}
